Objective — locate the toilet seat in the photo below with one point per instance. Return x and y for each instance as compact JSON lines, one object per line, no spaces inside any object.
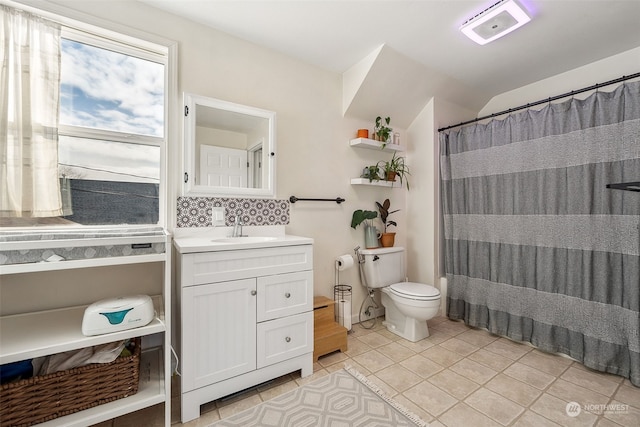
{"x":415,"y":291}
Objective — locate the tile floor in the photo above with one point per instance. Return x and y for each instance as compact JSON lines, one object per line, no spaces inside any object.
{"x":459,"y":376}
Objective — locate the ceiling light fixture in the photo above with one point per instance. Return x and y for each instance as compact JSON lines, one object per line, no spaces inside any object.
{"x":495,"y":22}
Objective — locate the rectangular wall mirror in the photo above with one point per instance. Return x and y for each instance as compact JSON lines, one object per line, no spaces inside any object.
{"x":229,"y":149}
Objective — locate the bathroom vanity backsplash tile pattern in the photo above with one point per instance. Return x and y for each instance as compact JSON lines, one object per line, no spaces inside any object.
{"x":197,"y":211}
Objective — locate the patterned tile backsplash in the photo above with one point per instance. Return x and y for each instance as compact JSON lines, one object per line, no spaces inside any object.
{"x":197,"y":211}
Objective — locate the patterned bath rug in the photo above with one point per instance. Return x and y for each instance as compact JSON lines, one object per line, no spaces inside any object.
{"x":344,"y":398}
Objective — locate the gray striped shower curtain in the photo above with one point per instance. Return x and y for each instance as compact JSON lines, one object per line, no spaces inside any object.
{"x":537,"y":248}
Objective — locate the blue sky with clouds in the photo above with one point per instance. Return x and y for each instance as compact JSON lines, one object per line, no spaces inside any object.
{"x":107,"y":90}
{"x":110,"y":90}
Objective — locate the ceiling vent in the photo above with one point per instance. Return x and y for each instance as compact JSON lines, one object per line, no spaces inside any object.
{"x":495,"y":22}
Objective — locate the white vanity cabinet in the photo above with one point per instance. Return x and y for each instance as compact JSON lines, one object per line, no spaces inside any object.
{"x":245,"y":315}
{"x":219,"y":332}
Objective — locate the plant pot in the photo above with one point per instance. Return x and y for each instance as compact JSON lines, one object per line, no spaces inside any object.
{"x":371,"y":237}
{"x":387,"y":239}
{"x":363,"y":133}
{"x":391,"y":176}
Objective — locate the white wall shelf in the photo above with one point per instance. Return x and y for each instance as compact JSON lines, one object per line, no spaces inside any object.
{"x":371,"y":144}
{"x":365,"y":181}
{"x":374,"y":145}
{"x":41,"y":333}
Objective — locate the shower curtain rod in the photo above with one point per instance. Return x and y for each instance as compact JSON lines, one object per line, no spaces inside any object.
{"x":543,"y":101}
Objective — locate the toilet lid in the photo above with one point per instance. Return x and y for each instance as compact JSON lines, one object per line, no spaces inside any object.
{"x":415,"y":290}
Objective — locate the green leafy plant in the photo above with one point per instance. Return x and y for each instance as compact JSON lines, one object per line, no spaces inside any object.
{"x":383,"y":208}
{"x":395,"y":167}
{"x":382,"y":130}
{"x":359,"y":216}
{"x":372,"y":173}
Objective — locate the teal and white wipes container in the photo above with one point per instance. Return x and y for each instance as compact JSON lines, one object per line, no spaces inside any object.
{"x":117,"y":314}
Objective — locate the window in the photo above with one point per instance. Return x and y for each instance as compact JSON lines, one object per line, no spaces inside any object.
{"x":111,"y":132}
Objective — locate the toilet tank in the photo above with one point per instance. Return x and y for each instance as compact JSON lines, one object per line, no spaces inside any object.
{"x":383,"y":266}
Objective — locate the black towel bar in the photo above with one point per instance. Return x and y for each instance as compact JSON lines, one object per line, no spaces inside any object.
{"x":338,"y":200}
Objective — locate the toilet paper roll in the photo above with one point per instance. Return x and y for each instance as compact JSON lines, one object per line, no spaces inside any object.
{"x":344,"y":262}
{"x":344,"y":313}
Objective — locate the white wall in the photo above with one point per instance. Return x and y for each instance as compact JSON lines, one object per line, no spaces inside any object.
{"x":220,"y":138}
{"x":622,"y":64}
{"x":423,"y":201}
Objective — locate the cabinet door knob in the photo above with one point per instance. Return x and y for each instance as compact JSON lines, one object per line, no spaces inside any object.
{"x":287,"y":295}
{"x":254,"y":292}
{"x":288,"y":339}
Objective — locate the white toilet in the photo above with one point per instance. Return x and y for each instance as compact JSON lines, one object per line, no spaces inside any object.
{"x":408,"y":305}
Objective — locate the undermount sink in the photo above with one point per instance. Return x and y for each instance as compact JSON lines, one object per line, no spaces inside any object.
{"x":245,"y":239}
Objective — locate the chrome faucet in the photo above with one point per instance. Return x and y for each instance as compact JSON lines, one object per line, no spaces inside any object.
{"x":237,"y":227}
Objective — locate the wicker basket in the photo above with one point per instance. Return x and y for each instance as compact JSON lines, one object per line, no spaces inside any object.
{"x":43,"y":398}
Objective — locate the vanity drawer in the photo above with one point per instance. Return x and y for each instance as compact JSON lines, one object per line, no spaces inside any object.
{"x":284,"y":338}
{"x":284,"y":294}
{"x":210,"y":267}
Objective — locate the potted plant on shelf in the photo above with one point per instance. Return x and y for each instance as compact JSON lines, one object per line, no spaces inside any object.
{"x":371,"y":234}
{"x":372,"y":173}
{"x":381,"y":132}
{"x":396,"y":167}
{"x":387,"y":239}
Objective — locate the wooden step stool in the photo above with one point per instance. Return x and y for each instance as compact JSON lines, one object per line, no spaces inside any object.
{"x":328,"y":335}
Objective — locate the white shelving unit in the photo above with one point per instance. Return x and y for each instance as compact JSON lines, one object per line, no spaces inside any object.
{"x":28,"y":335}
{"x":371,"y":144}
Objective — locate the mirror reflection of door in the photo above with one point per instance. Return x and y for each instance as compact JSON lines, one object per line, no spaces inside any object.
{"x":223,"y":167}
{"x":257,"y":168}
{"x":255,"y":164}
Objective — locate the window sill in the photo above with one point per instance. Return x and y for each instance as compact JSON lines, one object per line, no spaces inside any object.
{"x":95,"y":246}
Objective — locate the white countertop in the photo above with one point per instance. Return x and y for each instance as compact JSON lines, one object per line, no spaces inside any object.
{"x":208,"y":241}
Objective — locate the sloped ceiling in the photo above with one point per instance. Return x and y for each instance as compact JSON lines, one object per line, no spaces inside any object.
{"x":389,"y":84}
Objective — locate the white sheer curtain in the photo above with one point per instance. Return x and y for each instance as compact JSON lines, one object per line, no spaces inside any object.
{"x":29,"y":88}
